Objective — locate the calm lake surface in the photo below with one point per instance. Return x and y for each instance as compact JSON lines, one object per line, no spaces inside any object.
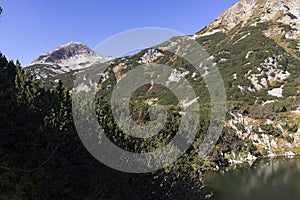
{"x":277,"y":179}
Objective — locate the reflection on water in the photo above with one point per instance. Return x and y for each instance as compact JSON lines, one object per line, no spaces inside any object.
{"x":277,"y":179}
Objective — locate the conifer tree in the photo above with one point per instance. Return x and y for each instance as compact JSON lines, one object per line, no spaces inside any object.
{"x":60,"y":117}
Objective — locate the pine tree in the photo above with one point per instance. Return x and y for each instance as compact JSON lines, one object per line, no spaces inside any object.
{"x":60,"y":117}
{"x":7,"y":94}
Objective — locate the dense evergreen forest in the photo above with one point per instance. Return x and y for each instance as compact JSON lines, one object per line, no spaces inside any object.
{"x":43,"y":158}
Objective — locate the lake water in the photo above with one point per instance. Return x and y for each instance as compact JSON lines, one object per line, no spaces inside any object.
{"x":277,"y":179}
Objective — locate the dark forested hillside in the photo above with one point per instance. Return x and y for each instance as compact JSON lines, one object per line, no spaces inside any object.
{"x":41,"y":156}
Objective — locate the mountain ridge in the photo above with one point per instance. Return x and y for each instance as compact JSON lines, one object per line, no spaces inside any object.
{"x":264,"y":10}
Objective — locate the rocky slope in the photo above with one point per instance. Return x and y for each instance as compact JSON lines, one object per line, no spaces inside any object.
{"x":250,"y":12}
{"x":261,"y":45}
{"x":281,"y":16}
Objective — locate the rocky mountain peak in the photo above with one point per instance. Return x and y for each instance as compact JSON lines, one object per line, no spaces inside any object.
{"x":71,"y":50}
{"x":65,"y":58}
{"x":250,"y":12}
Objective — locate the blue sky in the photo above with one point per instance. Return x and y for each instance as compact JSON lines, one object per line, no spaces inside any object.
{"x":33,"y":27}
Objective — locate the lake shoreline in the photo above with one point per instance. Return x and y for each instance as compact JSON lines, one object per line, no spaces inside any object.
{"x":245,"y":164}
{"x":267,"y":178}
